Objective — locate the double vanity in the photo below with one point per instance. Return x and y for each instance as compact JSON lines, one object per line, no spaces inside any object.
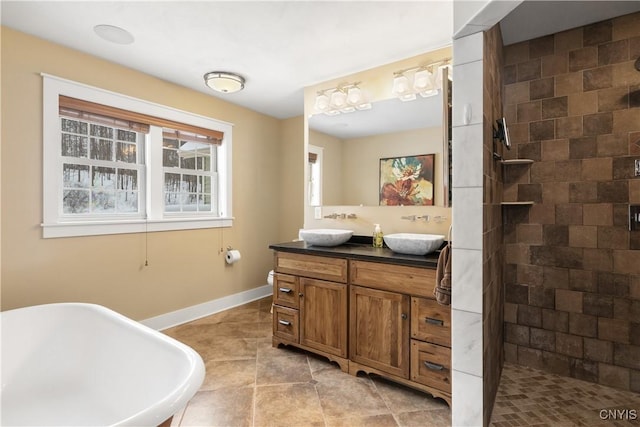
{"x":367,"y":309}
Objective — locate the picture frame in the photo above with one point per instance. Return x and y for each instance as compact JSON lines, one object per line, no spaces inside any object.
{"x":407,"y":180}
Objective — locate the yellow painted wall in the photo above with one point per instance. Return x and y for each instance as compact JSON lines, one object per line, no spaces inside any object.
{"x":291,"y":190}
{"x":185,"y":267}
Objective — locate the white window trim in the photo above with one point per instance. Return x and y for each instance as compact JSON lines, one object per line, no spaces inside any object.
{"x":54,"y":226}
{"x":318,"y":151}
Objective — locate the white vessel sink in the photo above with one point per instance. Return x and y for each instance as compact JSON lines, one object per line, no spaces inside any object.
{"x":325,"y":236}
{"x":413,"y":243}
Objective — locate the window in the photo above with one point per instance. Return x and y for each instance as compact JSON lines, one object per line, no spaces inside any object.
{"x":116,"y":164}
{"x":101,"y":168}
{"x":314,"y":164}
{"x":189,"y":173}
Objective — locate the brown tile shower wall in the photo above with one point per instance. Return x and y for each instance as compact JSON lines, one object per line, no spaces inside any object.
{"x":572,"y":267}
{"x":493,"y":294}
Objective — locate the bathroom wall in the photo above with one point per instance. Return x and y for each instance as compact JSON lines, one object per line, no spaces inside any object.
{"x":493,"y":259}
{"x":185,"y":267}
{"x":572,"y":274}
{"x":468,"y":254}
{"x":291,"y":187}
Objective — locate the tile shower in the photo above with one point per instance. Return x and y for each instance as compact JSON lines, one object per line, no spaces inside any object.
{"x":572,"y":267}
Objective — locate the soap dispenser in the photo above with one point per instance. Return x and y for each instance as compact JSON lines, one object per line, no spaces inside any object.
{"x":377,"y":236}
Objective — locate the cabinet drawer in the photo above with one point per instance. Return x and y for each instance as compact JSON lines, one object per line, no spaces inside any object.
{"x":315,"y":267}
{"x":431,"y":365}
{"x":285,"y":323}
{"x":285,"y":290}
{"x":430,"y":321}
{"x":395,"y":278}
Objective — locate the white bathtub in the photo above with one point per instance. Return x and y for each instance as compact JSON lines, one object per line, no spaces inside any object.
{"x":77,"y":364}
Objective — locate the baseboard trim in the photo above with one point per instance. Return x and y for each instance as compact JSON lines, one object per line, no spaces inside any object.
{"x":184,"y":315}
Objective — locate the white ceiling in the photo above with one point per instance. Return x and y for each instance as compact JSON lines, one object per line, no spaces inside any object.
{"x":278,"y":46}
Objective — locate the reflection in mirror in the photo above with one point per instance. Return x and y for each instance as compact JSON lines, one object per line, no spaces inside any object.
{"x":353,"y":144}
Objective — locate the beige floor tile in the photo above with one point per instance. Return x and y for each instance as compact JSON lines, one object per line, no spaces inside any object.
{"x":266,"y":350}
{"x":386,"y":420}
{"x":229,"y":373}
{"x":282,"y":370}
{"x":432,"y":418}
{"x":318,"y":363}
{"x":343,"y":395}
{"x":230,"y":349}
{"x":225,"y":407}
{"x":284,"y":405}
{"x":403,"y":399}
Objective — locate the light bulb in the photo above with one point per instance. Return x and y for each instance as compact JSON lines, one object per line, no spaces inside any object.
{"x":338,"y":99}
{"x":354,"y":96}
{"x":423,"y":80}
{"x":322,"y":102}
{"x":400,"y":85}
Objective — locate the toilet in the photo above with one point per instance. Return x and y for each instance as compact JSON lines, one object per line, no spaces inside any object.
{"x":270,"y":282}
{"x":270,"y":278}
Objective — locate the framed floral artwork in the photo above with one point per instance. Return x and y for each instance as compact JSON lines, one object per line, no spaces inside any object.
{"x":407,"y":181}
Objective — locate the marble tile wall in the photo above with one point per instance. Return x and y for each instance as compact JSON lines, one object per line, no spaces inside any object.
{"x":467,"y":238}
{"x":572,"y":274}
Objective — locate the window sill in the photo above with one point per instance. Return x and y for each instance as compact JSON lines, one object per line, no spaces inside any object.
{"x":97,"y":228}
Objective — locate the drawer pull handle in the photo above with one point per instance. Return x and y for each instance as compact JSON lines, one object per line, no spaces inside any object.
{"x":285,"y":290}
{"x":284,"y":322}
{"x":433,"y":366}
{"x":433,"y":321}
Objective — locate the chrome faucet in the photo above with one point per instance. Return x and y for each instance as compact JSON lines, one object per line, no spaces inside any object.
{"x":409,"y":217}
{"x":332,"y":216}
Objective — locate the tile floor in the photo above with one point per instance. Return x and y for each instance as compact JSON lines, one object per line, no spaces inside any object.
{"x":250,"y":383}
{"x":529,"y":397}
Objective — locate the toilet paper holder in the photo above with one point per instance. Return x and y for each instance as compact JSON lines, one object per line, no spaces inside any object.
{"x":232,"y":256}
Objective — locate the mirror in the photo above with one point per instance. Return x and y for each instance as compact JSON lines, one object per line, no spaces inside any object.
{"x":345,"y":150}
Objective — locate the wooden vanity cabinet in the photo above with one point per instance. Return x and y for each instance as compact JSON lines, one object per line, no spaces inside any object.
{"x":373,"y":317}
{"x":310,"y":297}
{"x":397,"y":329}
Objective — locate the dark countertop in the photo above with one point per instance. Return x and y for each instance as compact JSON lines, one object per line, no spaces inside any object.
{"x":356,"y":249}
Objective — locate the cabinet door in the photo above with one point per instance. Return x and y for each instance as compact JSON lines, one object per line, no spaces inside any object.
{"x":379,"y":335}
{"x":323,"y":316}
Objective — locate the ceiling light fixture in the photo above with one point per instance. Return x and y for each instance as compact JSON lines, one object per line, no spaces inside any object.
{"x":345,"y":98}
{"x":224,"y":81}
{"x":113,"y":34}
{"x":424,"y":80}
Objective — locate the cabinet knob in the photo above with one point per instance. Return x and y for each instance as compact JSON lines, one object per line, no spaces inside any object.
{"x":404,"y":316}
{"x":300,"y":294}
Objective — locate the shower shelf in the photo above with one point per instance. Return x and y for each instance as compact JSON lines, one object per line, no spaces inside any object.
{"x":516,"y":162}
{"x":527,"y":203}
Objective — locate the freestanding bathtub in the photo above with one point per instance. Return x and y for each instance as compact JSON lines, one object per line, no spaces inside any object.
{"x":78,"y":364}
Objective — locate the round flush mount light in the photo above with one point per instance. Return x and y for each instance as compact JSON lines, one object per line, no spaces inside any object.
{"x":113,"y":34}
{"x":223,"y":81}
